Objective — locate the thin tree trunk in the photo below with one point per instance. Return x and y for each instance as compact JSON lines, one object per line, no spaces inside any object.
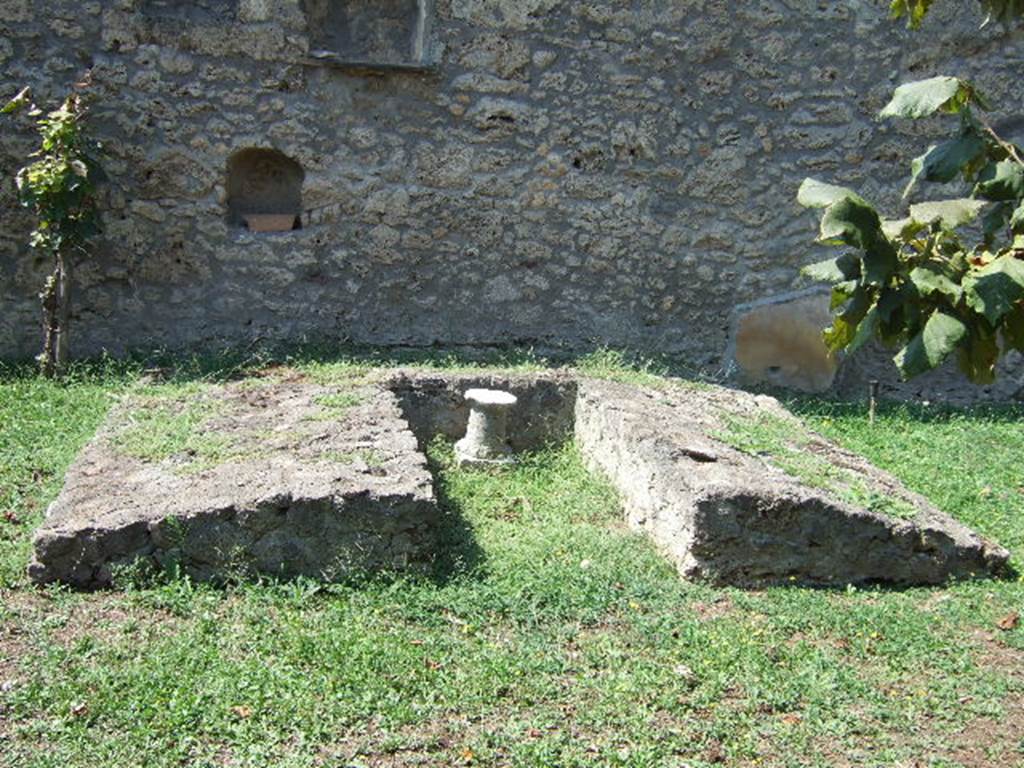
{"x":56,"y":300}
{"x":48,"y":297}
{"x":61,"y":351}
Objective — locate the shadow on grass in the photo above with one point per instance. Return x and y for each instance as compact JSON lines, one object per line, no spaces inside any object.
{"x":458,"y":554}
{"x":229,"y":363}
{"x":918,"y":413}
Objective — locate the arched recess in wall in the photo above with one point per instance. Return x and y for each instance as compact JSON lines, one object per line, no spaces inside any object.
{"x":264,"y":190}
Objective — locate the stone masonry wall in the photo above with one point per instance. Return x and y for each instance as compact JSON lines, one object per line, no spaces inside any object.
{"x":564,"y":174}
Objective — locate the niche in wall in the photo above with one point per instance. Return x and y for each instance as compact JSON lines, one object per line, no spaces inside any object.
{"x":385,"y":33}
{"x":264,"y":191}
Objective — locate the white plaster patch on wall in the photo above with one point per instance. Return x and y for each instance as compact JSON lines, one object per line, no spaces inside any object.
{"x":779,"y":341}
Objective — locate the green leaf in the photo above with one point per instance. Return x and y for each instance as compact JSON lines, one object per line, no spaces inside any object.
{"x":902,"y":229}
{"x":837,"y":270}
{"x":842,"y":293}
{"x":1013,"y":327}
{"x":995,"y":220}
{"x":818,"y":194}
{"x":914,"y":10}
{"x":978,"y":355}
{"x":850,"y":221}
{"x":1002,"y":181}
{"x":879,"y":264}
{"x":994,"y":289}
{"x":899,"y":313}
{"x":865,"y":330}
{"x":894,"y":299}
{"x":931,"y":346}
{"x":926,"y":97}
{"x":949,"y":213}
{"x":1017,"y":220}
{"x":844,"y":325}
{"x":929,"y":280}
{"x":23,"y":97}
{"x":942,"y":162}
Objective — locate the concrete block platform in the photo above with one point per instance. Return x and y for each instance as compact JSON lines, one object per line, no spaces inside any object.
{"x":292,"y":477}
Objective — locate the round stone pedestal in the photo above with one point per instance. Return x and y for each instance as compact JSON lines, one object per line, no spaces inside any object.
{"x":486,"y":442}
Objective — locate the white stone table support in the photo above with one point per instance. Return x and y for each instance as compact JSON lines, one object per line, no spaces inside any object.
{"x":486,"y":440}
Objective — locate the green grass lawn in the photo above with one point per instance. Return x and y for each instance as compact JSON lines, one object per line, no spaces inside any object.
{"x":548,"y":634}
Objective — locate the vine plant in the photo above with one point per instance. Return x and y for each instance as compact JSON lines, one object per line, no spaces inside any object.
{"x":58,"y":186}
{"x":948,"y":278}
{"x":1003,"y":11}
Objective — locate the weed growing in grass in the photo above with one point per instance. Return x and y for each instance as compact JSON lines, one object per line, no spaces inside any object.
{"x":340,"y":372}
{"x":175,"y":423}
{"x":785,"y":443}
{"x":336,"y":403}
{"x":355,"y":365}
{"x":613,"y":365}
{"x":359,"y":366}
{"x":162,"y":424}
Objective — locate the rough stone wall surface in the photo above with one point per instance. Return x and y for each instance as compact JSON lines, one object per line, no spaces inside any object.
{"x":567,"y":173}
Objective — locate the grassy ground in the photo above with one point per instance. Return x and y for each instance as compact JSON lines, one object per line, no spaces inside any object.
{"x":548,"y":634}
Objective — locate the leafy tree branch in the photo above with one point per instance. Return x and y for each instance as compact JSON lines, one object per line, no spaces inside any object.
{"x":948,"y":278}
{"x":58,"y":186}
{"x":914,"y":11}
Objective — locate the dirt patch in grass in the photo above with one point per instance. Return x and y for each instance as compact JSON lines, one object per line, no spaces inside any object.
{"x":998,"y":655}
{"x":101,"y":616}
{"x":282,"y":374}
{"x":985,"y":741}
{"x":989,"y":741}
{"x":441,"y":741}
{"x":713,"y":609}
